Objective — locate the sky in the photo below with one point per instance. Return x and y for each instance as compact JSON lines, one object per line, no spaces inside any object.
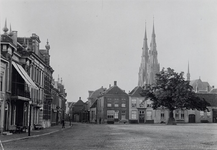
{"x":96,"y":42}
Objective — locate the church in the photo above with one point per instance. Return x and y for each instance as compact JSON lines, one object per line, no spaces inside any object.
{"x":149,"y":63}
{"x":141,"y":111}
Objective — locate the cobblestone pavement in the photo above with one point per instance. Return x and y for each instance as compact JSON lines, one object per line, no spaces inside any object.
{"x":123,"y":137}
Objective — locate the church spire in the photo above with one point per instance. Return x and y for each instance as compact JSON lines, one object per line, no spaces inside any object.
{"x":145,"y":44}
{"x":188,"y":74}
{"x":145,"y":33}
{"x":153,"y":42}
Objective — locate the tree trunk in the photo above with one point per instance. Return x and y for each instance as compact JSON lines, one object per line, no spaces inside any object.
{"x":171,"y":120}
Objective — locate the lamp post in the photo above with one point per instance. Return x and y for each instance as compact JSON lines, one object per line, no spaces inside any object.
{"x":30,"y":110}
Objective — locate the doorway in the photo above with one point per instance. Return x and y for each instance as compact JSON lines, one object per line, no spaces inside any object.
{"x":141,"y":116}
{"x":191,"y":118}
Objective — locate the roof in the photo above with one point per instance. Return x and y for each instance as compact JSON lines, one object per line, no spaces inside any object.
{"x":199,"y":85}
{"x":210,"y":98}
{"x":213,"y":91}
{"x":136,"y":92}
{"x":114,"y":90}
{"x":94,"y":104}
{"x":96,"y":93}
{"x":79,"y":103}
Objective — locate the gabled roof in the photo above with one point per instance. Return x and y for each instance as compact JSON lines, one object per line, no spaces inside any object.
{"x":213,"y":91}
{"x":210,"y":98}
{"x":79,"y":103}
{"x":114,"y":90}
{"x":94,"y":104}
{"x":96,"y":93}
{"x":72,"y":104}
{"x":136,"y":92}
{"x":199,"y":85}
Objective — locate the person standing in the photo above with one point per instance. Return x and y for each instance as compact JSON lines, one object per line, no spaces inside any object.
{"x":63,"y":123}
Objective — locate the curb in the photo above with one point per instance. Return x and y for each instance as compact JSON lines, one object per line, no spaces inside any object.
{"x":28,"y":137}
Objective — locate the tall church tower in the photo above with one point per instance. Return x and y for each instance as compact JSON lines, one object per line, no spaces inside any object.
{"x":149,"y":65}
{"x":143,"y":78}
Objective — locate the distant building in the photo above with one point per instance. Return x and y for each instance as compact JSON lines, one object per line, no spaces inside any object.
{"x":200,"y":86}
{"x":58,"y":104}
{"x":93,"y":95}
{"x":112,"y":106}
{"x":80,"y":111}
{"x":140,"y":110}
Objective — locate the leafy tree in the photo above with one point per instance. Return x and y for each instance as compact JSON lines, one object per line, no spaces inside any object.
{"x":173,"y":92}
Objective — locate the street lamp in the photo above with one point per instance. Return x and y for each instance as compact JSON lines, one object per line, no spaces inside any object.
{"x":30,"y":110}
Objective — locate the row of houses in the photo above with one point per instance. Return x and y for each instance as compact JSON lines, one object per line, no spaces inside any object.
{"x":114,"y":105}
{"x":109,"y":105}
{"x":27,"y":88}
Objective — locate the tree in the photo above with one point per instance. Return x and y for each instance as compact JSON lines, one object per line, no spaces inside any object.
{"x":173,"y":92}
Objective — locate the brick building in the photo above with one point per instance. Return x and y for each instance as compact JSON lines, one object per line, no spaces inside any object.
{"x":112,"y":105}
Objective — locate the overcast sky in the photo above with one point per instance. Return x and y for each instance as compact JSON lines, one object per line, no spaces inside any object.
{"x":96,"y":42}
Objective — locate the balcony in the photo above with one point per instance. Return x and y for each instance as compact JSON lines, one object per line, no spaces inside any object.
{"x":18,"y":90}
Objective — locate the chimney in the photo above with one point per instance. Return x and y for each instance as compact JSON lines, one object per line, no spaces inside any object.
{"x":115,"y":83}
{"x":79,"y":98}
{"x":14,"y":37}
{"x":109,"y":85}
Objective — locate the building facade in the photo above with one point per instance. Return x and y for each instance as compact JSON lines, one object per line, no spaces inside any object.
{"x":26,"y":83}
{"x":16,"y":109}
{"x":93,"y":95}
{"x":80,"y":111}
{"x":112,"y":106}
{"x":58,"y":104}
{"x":140,"y":110}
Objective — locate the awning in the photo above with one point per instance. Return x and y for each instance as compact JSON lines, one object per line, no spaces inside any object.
{"x":24,"y":75}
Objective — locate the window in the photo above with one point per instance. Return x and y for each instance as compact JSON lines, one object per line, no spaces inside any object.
{"x":123,"y":105}
{"x":116,"y":114}
{"x":141,"y":112}
{"x":201,"y":113}
{"x":109,"y":105}
{"x":177,"y":114}
{"x":162,"y":114}
{"x":133,"y":113}
{"x":141,"y":103}
{"x":1,"y":80}
{"x":133,"y":103}
{"x":149,"y":115}
{"x":208,"y":114}
{"x":109,"y":99}
{"x":110,"y":114}
{"x":116,"y":105}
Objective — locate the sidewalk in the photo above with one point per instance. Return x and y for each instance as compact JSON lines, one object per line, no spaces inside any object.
{"x":33,"y":133}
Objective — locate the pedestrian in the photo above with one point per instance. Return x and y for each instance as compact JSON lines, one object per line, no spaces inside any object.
{"x":63,"y":123}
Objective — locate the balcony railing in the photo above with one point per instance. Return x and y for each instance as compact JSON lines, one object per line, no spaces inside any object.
{"x":20,"y":90}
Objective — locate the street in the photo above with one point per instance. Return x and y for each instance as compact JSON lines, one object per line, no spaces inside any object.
{"x":123,"y":137}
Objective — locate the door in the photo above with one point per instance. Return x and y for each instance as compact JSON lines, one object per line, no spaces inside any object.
{"x":214,"y":115}
{"x":191,"y":118}
{"x":141,"y":116}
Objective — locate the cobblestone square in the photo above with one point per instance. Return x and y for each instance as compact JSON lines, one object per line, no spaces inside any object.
{"x":123,"y":137}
